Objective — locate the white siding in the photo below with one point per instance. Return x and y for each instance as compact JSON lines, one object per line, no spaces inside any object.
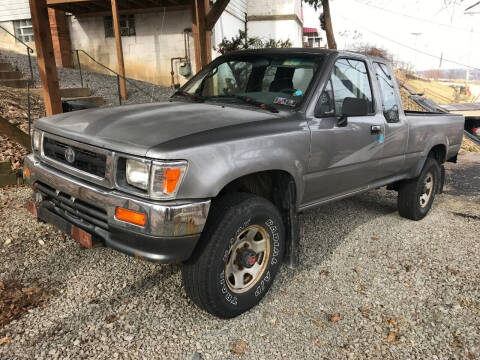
{"x":14,"y":10}
{"x":237,"y":8}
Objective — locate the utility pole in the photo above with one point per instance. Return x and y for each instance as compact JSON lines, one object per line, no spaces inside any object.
{"x":328,"y":24}
{"x":437,"y":75}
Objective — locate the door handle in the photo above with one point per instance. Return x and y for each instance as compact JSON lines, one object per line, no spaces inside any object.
{"x":375,"y":129}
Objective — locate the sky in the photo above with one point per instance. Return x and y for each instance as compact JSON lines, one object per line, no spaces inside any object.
{"x":425,"y":25}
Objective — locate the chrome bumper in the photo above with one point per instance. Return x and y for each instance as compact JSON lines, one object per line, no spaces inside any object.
{"x":167,"y":219}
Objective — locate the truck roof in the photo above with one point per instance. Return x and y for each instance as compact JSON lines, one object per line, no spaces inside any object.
{"x":303,"y":51}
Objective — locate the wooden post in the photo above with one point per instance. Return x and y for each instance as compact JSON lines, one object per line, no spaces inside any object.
{"x":118,"y":41}
{"x":202,"y":35}
{"x":45,"y":56}
{"x":62,"y":46}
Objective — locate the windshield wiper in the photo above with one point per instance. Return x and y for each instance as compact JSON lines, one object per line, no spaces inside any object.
{"x":254,"y":102}
{"x":197,"y":98}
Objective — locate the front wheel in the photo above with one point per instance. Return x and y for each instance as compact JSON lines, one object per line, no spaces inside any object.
{"x":415,"y":197}
{"x":239,"y":254}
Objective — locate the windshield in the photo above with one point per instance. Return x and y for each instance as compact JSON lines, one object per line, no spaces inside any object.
{"x":260,"y":79}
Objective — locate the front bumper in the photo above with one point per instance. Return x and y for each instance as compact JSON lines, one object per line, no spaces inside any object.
{"x":172,"y":228}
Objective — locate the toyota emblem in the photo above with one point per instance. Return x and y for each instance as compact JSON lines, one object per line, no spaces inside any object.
{"x":70,"y":155}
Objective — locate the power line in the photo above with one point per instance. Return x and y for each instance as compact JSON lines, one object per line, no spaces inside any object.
{"x":410,"y":47}
{"x":416,"y":18}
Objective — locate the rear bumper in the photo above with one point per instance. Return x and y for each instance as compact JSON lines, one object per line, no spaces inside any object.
{"x":170,"y":235}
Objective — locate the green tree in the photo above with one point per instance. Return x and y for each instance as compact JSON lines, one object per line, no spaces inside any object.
{"x":243,"y":42}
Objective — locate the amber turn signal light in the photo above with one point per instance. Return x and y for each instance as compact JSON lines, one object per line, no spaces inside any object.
{"x":170,"y":179}
{"x":130,"y":216}
{"x":26,"y":173}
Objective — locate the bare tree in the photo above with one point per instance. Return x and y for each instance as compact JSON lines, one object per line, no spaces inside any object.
{"x":325,"y":4}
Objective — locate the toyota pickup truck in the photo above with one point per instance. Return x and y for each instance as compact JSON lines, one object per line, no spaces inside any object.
{"x":215,"y":178}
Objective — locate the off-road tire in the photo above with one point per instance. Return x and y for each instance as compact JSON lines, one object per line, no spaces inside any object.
{"x":204,"y":273}
{"x":410,"y":191}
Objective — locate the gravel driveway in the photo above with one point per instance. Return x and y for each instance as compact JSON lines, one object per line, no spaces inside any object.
{"x":370,"y":285}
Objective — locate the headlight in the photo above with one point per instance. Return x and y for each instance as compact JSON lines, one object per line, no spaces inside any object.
{"x":36,"y":140}
{"x":166,"y":178}
{"x":137,"y":173}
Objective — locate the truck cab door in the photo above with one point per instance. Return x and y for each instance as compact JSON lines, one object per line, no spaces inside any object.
{"x":396,"y":123}
{"x":344,"y":157}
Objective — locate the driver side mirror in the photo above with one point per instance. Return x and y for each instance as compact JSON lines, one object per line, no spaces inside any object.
{"x":352,"y":107}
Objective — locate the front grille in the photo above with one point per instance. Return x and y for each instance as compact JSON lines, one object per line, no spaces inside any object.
{"x":65,"y":206}
{"x":85,"y":160}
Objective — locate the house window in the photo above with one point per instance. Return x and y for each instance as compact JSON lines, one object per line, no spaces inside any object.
{"x":127,"y":26}
{"x":23,"y":30}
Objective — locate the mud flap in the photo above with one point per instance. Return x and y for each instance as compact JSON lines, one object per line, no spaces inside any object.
{"x":292,"y":226}
{"x":442,"y":180}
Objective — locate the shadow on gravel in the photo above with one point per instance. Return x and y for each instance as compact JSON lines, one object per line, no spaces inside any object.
{"x":463,"y":178}
{"x":325,"y":228}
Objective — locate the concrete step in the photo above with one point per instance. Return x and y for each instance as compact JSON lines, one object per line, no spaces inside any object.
{"x":10,"y":75}
{"x":97,"y":100}
{"x":68,"y":92}
{"x":14,"y":83}
{"x":4,"y":66}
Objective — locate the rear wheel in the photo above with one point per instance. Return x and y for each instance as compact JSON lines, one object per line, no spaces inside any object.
{"x":415,"y":197}
{"x":239,"y":254}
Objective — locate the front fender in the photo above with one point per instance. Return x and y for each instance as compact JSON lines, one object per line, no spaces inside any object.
{"x":220,"y":156}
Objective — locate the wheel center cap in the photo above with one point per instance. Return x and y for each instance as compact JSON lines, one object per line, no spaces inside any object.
{"x":247,"y":258}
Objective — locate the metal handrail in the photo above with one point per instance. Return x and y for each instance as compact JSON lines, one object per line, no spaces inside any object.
{"x":113,"y":71}
{"x":29,"y":51}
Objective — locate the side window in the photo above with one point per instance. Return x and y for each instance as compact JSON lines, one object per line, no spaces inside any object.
{"x":387,"y":88}
{"x":350,"y":79}
{"x":326,"y":103}
{"x":301,"y":78}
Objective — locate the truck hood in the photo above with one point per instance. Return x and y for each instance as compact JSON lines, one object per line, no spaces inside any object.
{"x":134,"y":129}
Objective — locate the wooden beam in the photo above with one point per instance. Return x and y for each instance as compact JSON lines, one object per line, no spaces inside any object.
{"x":202,"y":36}
{"x":45,"y":56}
{"x":133,"y":11}
{"x":118,"y":42}
{"x":64,"y":2}
{"x":214,"y":14}
{"x":14,"y":133}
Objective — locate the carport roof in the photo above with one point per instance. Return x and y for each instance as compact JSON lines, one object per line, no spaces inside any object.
{"x":103,"y":7}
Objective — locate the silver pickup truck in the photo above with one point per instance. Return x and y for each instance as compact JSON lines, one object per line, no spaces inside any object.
{"x":215,"y":178}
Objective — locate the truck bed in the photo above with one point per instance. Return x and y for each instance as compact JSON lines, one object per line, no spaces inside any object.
{"x":434,"y":128}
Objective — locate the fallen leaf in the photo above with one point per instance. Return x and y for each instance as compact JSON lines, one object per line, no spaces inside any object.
{"x":335,"y":317}
{"x":374,"y":238}
{"x":318,"y":323}
{"x":324,"y":272}
{"x":239,"y":347}
{"x":111,"y":318}
{"x":392,"y":337}
{"x":5,"y":340}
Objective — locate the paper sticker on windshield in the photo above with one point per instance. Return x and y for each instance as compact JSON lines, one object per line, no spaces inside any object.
{"x":284,"y":101}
